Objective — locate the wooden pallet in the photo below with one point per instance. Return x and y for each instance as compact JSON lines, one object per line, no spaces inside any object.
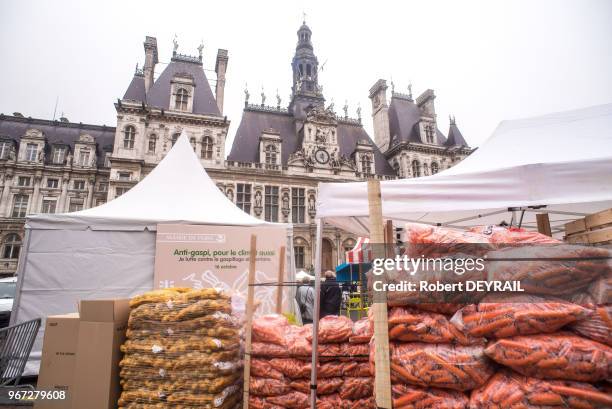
{"x":592,"y":229}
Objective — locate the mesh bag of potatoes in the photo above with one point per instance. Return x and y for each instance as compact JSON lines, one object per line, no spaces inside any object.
{"x":182,"y":350}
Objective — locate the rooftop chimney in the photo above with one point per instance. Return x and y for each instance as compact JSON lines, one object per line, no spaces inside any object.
{"x":220,"y":68}
{"x":18,"y":114}
{"x":150,"y":47}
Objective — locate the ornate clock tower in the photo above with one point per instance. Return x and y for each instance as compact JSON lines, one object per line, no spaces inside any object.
{"x":306,"y":90}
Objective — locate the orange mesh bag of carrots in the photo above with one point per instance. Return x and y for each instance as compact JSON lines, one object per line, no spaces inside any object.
{"x":292,"y":400}
{"x":291,"y":368}
{"x":325,"y":386}
{"x":356,"y":388}
{"x":362,"y":332}
{"x":414,"y":397}
{"x":507,"y":316}
{"x":506,"y":390}
{"x":601,"y":290}
{"x":334,"y":329}
{"x":554,"y":356}
{"x":356,"y":369}
{"x":334,"y":401}
{"x":270,"y":329}
{"x":269,"y":350}
{"x":409,"y":325}
{"x":551,"y":269}
{"x":449,"y":240}
{"x":262,"y":368}
{"x":354,"y":352}
{"x":597,"y":326}
{"x":512,"y":235}
{"x":268,"y":387}
{"x":459,"y":368}
{"x":257,"y":402}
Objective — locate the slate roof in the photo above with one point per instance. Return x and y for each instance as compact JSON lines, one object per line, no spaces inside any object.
{"x":159,"y":94}
{"x":404,"y":116}
{"x":454,"y":136}
{"x":136,"y":89}
{"x":59,"y":133}
{"x":245,"y":147}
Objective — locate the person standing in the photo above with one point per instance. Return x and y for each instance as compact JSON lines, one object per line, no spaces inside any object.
{"x":331,"y":295}
{"x":305,"y":299}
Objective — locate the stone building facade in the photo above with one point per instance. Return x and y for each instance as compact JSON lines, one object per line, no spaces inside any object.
{"x":278,"y":156}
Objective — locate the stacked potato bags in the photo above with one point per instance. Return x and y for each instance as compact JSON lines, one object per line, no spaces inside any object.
{"x":545,"y":348}
{"x":281,"y":364}
{"x":182,"y":351}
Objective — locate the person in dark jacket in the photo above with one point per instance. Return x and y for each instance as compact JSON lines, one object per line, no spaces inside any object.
{"x":331,"y":295}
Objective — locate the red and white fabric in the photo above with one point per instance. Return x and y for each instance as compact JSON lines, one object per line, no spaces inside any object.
{"x":362,"y":252}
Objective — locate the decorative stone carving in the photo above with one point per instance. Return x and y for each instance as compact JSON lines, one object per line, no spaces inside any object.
{"x":258,"y":202}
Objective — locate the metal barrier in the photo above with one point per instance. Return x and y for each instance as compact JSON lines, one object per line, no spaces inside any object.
{"x":15,"y":346}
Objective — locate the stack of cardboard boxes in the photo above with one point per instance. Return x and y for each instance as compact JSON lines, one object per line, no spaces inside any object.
{"x":81,"y":354}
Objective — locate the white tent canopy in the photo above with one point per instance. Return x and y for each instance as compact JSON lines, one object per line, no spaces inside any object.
{"x":178,"y":190}
{"x":560,"y":164}
{"x":109,"y":251}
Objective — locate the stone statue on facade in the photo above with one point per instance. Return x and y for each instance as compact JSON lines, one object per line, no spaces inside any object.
{"x":246,"y":95}
{"x":175,"y":44}
{"x":200,"y":48}
{"x":345,"y":109}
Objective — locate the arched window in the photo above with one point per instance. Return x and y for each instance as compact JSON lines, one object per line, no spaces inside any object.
{"x":271,"y":155}
{"x":193,"y":143}
{"x":366,"y":165}
{"x":12,"y":245}
{"x":129,"y":134}
{"x":207,"y":147}
{"x":152,"y":143}
{"x":181,"y":99}
{"x":416,"y":169}
{"x":434,"y":168}
{"x":396,"y":168}
{"x":175,"y":137}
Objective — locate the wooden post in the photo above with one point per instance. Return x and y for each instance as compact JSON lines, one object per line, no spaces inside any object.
{"x":281,"y":278}
{"x":249,"y":322}
{"x":382,"y":377}
{"x":315,"y":318}
{"x":389,"y":240}
{"x":543,"y":224}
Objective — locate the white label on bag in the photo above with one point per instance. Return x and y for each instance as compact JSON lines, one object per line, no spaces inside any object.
{"x":162,"y":372}
{"x":217,"y":342}
{"x":170,"y":304}
{"x":170,"y":331}
{"x":157,"y":349}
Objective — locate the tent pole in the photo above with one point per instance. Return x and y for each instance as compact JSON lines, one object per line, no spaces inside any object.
{"x":23,"y":257}
{"x":382,"y":378}
{"x":249,"y":322}
{"x":281,"y":278}
{"x":315,"y":318}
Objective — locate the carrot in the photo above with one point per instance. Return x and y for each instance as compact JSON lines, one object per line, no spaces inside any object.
{"x":583,"y":394}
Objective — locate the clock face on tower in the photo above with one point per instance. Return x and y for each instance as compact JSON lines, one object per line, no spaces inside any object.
{"x":322,"y":156}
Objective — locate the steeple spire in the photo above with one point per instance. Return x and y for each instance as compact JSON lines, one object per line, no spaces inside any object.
{"x":306,"y":90}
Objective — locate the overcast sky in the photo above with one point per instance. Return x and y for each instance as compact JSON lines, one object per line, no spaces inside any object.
{"x":486,"y":60}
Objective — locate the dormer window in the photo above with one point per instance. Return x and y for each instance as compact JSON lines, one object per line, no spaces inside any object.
{"x":207,"y":147}
{"x":366,"y":165}
{"x":182,"y":97}
{"x":31,"y":152}
{"x":270,"y":155}
{"x":84,"y":155}
{"x":129,"y":135}
{"x":429,"y":133}
{"x":5,"y":148}
{"x":58,"y":155}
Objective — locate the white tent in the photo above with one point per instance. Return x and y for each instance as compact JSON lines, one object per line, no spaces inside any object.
{"x":109,"y":251}
{"x":560,"y":164}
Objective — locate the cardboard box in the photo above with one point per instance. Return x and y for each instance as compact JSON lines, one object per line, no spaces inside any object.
{"x":58,"y":359}
{"x":101,"y":333}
